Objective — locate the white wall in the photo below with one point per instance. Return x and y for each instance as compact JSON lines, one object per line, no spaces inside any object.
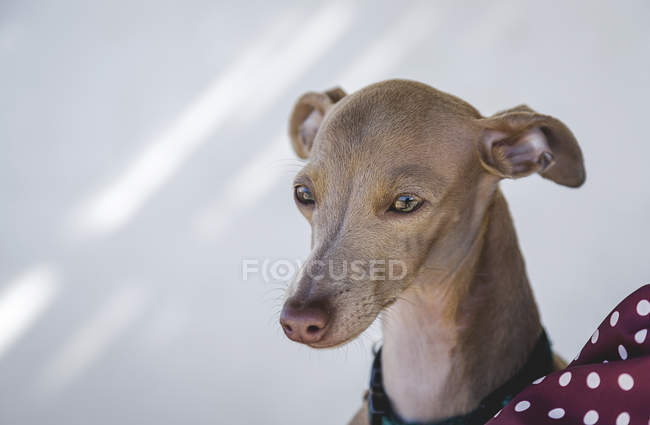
{"x":144,"y":156}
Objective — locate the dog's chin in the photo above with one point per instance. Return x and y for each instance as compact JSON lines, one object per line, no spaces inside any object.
{"x":327,"y":344}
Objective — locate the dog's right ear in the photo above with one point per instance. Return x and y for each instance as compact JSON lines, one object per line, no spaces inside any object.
{"x":307,"y":117}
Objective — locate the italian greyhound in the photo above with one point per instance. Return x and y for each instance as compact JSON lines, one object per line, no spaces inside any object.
{"x":401,"y":171}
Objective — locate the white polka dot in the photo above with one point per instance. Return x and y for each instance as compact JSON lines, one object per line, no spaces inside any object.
{"x":556,"y":413}
{"x":593,"y":380}
{"x":565,"y":378}
{"x":625,"y":381}
{"x":578,"y":355}
{"x":594,"y":337}
{"x":622,"y":352}
{"x":538,"y":380}
{"x":623,"y":419}
{"x":522,"y":405}
{"x":590,"y":418}
{"x":497,"y":414}
{"x":613,"y":320}
{"x":639,"y":337}
{"x":643,"y":308}
{"x":605,"y":361}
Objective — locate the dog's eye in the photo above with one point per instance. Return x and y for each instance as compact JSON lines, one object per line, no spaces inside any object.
{"x":406,"y":203}
{"x":304,"y":195}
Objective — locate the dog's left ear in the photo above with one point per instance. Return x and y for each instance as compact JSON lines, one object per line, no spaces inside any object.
{"x":307,"y":116}
{"x":519,"y":141}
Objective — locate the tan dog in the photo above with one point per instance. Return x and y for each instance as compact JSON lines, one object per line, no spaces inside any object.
{"x":401,"y":171}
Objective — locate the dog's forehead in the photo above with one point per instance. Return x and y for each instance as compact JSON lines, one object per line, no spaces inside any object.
{"x":397,"y":122}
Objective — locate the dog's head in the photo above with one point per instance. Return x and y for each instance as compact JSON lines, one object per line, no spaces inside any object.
{"x":397,"y":180}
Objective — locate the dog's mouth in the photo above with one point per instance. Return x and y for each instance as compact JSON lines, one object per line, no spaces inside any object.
{"x":332,"y":339}
{"x":332,"y":321}
{"x":333,"y":332}
{"x":328,"y":340}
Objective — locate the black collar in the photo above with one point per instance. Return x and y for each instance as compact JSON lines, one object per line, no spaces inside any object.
{"x":539,"y":363}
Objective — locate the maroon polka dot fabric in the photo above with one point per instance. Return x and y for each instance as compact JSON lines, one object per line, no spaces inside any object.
{"x":607,"y":383}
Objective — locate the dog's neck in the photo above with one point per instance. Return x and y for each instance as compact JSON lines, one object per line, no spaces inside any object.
{"x":449,"y":344}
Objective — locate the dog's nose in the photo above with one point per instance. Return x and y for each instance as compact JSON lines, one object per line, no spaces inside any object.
{"x":304,"y":323}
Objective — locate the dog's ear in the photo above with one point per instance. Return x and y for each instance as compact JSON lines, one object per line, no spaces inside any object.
{"x":307,"y":117}
{"x":519,"y":141}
